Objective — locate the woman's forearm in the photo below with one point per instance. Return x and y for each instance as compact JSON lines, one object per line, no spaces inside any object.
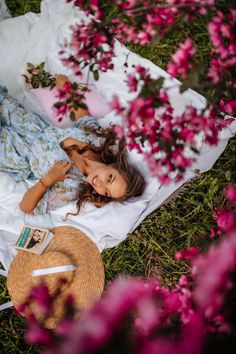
{"x":32,"y":197}
{"x":57,"y":173}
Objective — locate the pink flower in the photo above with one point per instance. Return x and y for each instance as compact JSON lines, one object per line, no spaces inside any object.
{"x":181,"y":59}
{"x":226,"y":219}
{"x":230,"y":106}
{"x":211,"y":273}
{"x":187,"y":134}
{"x":119,"y":130}
{"x":148,"y":315}
{"x":43,"y":299}
{"x":60,"y":93}
{"x":22,"y":307}
{"x":230,"y":193}
{"x":188,"y":254}
{"x":212,"y":233}
{"x":99,"y":39}
{"x":64,"y":326}
{"x":116,"y":105}
{"x":163,"y":96}
{"x":62,"y":109}
{"x":141,"y":70}
{"x":132,"y":83}
{"x":36,"y":334}
{"x":67,"y":86}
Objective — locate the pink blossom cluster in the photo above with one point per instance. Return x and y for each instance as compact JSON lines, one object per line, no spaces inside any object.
{"x":71,"y":97}
{"x":142,"y":22}
{"x":168,"y":141}
{"x":182,"y":59}
{"x":213,"y":272}
{"x":192,"y":8}
{"x":143,"y":317}
{"x":156,"y":21}
{"x":91,"y":45}
{"x":91,"y":6}
{"x":222,"y":35}
{"x":153,"y":307}
{"x":150,"y":125}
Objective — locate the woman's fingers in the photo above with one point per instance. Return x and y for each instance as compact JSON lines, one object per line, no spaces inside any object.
{"x":68,"y":166}
{"x":62,"y":163}
{"x":60,"y":79}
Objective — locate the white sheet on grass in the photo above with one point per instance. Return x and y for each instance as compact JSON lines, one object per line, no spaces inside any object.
{"x":35,"y":38}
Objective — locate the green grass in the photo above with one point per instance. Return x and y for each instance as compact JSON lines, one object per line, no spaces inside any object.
{"x":20,"y":7}
{"x":149,"y":250}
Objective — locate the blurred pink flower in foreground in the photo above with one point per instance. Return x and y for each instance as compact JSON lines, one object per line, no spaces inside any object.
{"x":211,"y":273}
{"x":187,"y":254}
{"x":226,"y":220}
{"x":230,"y":193}
{"x":182,"y":59}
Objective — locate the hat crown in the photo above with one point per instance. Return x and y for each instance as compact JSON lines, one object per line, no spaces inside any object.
{"x":69,"y":248}
{"x":46,"y":262}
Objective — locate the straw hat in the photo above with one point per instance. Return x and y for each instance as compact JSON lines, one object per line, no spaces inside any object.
{"x":69,"y":246}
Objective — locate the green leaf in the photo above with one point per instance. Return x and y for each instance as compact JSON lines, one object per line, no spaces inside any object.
{"x":41,"y":65}
{"x":57,"y":104}
{"x":30,"y":66}
{"x":75,"y":105}
{"x":72,"y":116}
{"x":83,"y":105}
{"x":228,"y":176}
{"x":74,"y":86}
{"x":96,"y":75}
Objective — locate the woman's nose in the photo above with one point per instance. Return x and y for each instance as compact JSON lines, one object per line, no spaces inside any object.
{"x":100,"y":183}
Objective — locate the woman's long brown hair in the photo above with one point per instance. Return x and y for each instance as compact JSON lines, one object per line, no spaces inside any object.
{"x":111,"y":151}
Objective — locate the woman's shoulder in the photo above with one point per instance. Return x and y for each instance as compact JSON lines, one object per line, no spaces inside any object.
{"x":67,"y":142}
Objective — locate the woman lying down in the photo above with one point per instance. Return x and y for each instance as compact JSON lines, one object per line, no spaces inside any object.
{"x":83,"y":163}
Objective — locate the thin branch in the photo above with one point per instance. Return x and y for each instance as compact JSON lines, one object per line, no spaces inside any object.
{"x":148,"y":8}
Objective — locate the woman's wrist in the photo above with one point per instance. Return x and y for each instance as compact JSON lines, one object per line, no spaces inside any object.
{"x":45,"y":183}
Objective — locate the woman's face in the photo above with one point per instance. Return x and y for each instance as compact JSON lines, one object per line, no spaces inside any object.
{"x":107,"y":181}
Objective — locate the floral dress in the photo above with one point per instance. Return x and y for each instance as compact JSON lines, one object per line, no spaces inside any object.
{"x":29,"y":147}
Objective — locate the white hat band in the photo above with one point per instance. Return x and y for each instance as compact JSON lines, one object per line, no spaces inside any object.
{"x":52,"y":270}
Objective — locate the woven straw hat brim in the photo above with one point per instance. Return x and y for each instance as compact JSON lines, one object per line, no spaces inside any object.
{"x":69,"y":246}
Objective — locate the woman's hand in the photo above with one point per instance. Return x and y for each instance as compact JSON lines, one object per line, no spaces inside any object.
{"x":60,"y":80}
{"x":57,"y":173}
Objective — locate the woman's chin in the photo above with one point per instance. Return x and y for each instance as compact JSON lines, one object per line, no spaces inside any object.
{"x":90,"y":179}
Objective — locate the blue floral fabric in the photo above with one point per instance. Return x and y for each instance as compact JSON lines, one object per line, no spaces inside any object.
{"x":29,"y":147}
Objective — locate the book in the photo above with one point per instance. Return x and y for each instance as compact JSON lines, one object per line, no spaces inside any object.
{"x":33,"y":239}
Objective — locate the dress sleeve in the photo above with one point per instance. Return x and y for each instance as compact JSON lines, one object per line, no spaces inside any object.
{"x":3,"y":93}
{"x":41,"y":207}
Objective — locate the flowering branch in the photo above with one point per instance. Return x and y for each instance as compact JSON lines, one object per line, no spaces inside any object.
{"x":92,"y":45}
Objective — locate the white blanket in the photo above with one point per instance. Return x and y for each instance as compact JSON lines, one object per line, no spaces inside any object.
{"x":35,"y":38}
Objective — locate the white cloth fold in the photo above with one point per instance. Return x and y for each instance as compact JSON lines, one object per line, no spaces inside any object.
{"x":3,"y":273}
{"x":9,"y":303}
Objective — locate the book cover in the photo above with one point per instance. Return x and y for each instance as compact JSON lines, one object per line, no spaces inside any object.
{"x":33,"y":239}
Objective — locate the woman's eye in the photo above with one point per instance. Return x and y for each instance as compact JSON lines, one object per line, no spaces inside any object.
{"x":109,"y":178}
